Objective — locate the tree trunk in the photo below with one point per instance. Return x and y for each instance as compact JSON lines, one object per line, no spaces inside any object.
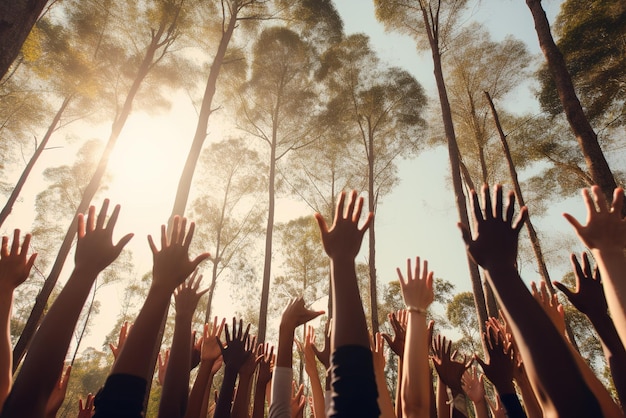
{"x":585,"y":135}
{"x":371,"y":204}
{"x":267,"y":264}
{"x":453,"y":152}
{"x":17,"y":18}
{"x":90,"y":191}
{"x":532,"y":233}
{"x":8,"y":207}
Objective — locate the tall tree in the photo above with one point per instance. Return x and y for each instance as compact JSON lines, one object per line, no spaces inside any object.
{"x":164,"y":16}
{"x":431,"y":23}
{"x":382,"y":108}
{"x":16,"y":21}
{"x":278,"y":108}
{"x":587,"y":139}
{"x":229,"y":217}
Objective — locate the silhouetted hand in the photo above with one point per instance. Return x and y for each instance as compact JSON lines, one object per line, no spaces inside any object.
{"x":324,"y":355}
{"x":265,"y":357}
{"x":297,"y":400}
{"x":171,"y":263}
{"x":86,"y":410}
{"x":588,"y":297}
{"x":500,"y":361}
{"x":449,"y":370}
{"x":495,"y":244}
{"x":238,"y":349}
{"x":210,"y":350}
{"x":186,"y":296}
{"x":296,"y":314}
{"x":398,"y":321}
{"x":95,"y":249}
{"x":14,"y":264}
{"x":343,"y":239}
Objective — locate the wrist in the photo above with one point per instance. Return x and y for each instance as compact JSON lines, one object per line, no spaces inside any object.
{"x":416,"y":310}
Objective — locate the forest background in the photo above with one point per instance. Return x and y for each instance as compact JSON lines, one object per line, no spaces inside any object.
{"x":491,"y":46}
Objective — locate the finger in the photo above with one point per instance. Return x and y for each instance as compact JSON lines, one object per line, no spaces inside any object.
{"x":478,"y":215}
{"x":340,"y":204}
{"x":586,"y":265}
{"x":356,"y":213}
{"x":576,"y":266}
{"x":352,"y":199}
{"x":498,"y":209}
{"x":321,"y":223}
{"x":488,"y":210}
{"x":465,"y":233}
{"x":164,"y":240}
{"x":573,"y":221}
{"x":563,"y":289}
{"x":103,"y":214}
{"x":367,"y":223}
{"x":153,"y":247}
{"x":25,"y":245}
{"x":122,"y":242}
{"x":618,"y":200}
{"x":5,"y":246}
{"x":80,"y":230}
{"x":190,"y":232}
{"x":199,"y":259}
{"x":591,"y":207}
{"x":113,"y":218}
{"x":91,"y":219}
{"x":521,"y":219}
{"x":15,"y":246}
{"x":600,"y":199}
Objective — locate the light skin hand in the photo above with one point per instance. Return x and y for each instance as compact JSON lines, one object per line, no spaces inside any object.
{"x":210,"y":347}
{"x":417,"y":291}
{"x":15,"y":266}
{"x":296,"y":314}
{"x":605,"y":229}
{"x":95,"y":249}
{"x":171,"y":263}
{"x":86,"y":409}
{"x":297,"y":400}
{"x":473,"y":385}
{"x":550,"y":305}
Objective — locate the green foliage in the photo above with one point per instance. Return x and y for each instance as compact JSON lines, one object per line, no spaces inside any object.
{"x":591,"y":39}
{"x":461,"y":312}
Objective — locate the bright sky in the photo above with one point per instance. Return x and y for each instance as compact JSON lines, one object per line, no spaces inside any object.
{"x":418,"y":218}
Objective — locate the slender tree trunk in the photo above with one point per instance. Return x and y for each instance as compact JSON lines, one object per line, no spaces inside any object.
{"x":453,"y":152}
{"x":17,"y":18}
{"x":267,"y":264}
{"x":8,"y":207}
{"x":532,"y":233}
{"x":90,"y":191}
{"x":585,"y":135}
{"x":371,"y":205}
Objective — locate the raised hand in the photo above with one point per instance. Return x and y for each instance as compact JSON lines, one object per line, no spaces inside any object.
{"x":496,"y":240}
{"x":344,"y":237}
{"x":605,"y":229}
{"x":550,"y":305}
{"x":449,"y":370}
{"x":297,"y":400}
{"x":238,"y":348}
{"x":86,"y":410}
{"x":265,"y":357}
{"x":210,"y":346}
{"x":417,"y":292}
{"x":95,"y":249}
{"x":398,"y":321}
{"x":323,"y":355}
{"x":500,"y":362}
{"x":187,"y":295}
{"x":588,"y":297}
{"x":14,"y":264}
{"x":296,"y":314}
{"x":121,"y":339}
{"x":473,"y":385}
{"x":171,"y":263}
{"x":497,"y":410}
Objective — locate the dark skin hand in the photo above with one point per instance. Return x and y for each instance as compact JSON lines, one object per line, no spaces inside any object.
{"x":238,"y":348}
{"x":588,"y":297}
{"x":500,"y":360}
{"x":398,"y":323}
{"x":450,"y":371}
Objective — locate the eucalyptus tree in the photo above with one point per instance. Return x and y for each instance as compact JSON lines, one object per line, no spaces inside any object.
{"x":158,"y":22}
{"x":229,"y":214}
{"x":432,"y":23}
{"x":381,"y":109}
{"x":278,"y":107}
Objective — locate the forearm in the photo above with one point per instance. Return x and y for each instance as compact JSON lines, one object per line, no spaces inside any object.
{"x":531,"y":404}
{"x":196,"y":396}
{"x":258,"y":410}
{"x":614,"y":352}
{"x":44,"y":361}
{"x":135,"y":358}
{"x":398,"y":406}
{"x":349,"y":324}
{"x":242,"y":398}
{"x":222,"y":409}
{"x":385,"y":404}
{"x":480,"y":409}
{"x":6,"y":354}
{"x":612,"y":265}
{"x":317,"y":392}
{"x":534,"y":331}
{"x":416,"y":372}
{"x":280,"y":406}
{"x":443,"y":408}
{"x":175,"y":386}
